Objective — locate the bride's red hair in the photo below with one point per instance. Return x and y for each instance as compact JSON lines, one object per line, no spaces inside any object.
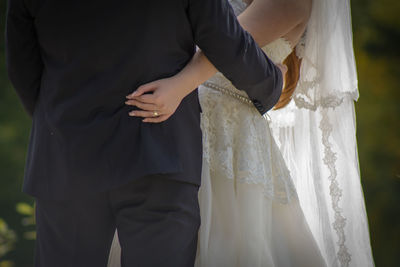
{"x":291,"y":79}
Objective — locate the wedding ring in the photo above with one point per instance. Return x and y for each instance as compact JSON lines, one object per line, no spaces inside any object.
{"x":155,"y":114}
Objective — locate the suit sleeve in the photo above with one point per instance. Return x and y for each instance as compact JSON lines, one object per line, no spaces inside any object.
{"x":234,"y":52}
{"x":24,"y":62}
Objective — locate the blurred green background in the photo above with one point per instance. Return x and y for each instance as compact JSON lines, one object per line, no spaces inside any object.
{"x":376,"y":26}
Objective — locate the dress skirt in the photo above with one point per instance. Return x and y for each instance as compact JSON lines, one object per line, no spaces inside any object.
{"x":250,"y":212}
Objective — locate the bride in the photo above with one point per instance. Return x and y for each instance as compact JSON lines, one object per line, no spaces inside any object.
{"x":250,"y":210}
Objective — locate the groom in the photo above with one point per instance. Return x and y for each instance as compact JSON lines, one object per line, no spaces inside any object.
{"x":91,"y":167}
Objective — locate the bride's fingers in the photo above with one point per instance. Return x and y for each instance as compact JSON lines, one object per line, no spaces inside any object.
{"x":146,"y":98}
{"x":141,"y":105}
{"x":143,"y":113}
{"x":149,"y":87}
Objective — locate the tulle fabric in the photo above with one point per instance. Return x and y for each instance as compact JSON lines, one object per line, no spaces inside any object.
{"x":114,"y":258}
{"x":328,"y":70}
{"x":321,"y":153}
{"x":240,"y":227}
{"x":316,"y":133}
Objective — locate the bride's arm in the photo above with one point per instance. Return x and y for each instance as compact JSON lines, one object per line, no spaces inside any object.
{"x":265,"y":20}
{"x":268,"y":20}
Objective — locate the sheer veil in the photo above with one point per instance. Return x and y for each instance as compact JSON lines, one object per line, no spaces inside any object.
{"x":316,"y":134}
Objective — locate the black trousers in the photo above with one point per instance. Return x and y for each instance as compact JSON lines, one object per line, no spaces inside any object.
{"x":157,"y":220}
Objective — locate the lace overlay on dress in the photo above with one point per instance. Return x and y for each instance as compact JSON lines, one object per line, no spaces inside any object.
{"x":238,"y":145}
{"x":237,"y":141}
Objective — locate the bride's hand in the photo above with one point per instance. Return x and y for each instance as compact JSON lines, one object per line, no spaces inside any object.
{"x":157,"y":100}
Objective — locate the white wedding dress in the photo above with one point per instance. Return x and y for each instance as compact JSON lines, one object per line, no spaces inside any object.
{"x":250,"y":210}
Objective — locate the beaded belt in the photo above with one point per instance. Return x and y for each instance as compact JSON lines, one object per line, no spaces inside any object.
{"x":229,"y":92}
{"x":233,"y":94}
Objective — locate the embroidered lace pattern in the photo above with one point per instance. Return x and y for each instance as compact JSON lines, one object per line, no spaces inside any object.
{"x":334,"y":189}
{"x":238,"y":145}
{"x":237,"y":141}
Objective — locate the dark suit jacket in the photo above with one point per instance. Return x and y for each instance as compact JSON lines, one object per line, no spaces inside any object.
{"x":72,"y":62}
